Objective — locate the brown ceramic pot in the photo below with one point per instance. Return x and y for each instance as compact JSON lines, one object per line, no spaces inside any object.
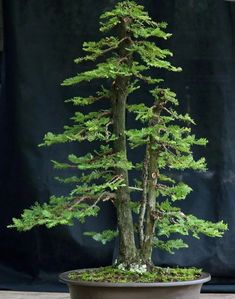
{"x":105,"y":290}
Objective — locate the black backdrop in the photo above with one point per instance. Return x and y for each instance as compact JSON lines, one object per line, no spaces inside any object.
{"x":41,"y":40}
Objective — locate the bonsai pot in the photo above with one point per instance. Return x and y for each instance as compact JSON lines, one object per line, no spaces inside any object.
{"x":162,"y":290}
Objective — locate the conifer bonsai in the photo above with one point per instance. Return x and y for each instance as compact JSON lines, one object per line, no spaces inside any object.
{"x":123,"y":61}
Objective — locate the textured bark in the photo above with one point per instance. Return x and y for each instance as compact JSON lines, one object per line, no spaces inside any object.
{"x":147,"y":245}
{"x":152,"y":179}
{"x":143,"y":204}
{"x":127,"y":247}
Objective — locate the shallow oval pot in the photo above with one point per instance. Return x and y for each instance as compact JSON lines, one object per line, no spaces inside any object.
{"x":106,"y":290}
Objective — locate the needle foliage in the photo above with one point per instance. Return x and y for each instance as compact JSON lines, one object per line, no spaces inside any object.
{"x":123,"y":61}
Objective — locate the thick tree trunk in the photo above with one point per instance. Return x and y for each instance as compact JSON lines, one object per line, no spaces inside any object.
{"x":127,"y":247}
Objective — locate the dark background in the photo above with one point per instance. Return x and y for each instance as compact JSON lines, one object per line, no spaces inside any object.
{"x":41,"y":40}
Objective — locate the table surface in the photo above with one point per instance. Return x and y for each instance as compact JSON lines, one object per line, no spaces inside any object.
{"x":33,"y":295}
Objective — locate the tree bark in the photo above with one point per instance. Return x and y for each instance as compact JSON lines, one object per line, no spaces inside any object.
{"x":127,"y":246}
{"x":150,"y":222}
{"x":143,"y":203}
{"x":152,"y":179}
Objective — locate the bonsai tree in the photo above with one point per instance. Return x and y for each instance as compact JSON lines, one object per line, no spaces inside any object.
{"x":124,"y":60}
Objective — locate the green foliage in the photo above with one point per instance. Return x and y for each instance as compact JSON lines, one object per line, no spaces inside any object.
{"x":175,"y":192}
{"x":127,"y":55}
{"x":103,"y":237}
{"x":153,"y":56}
{"x":170,"y":245}
{"x":81,"y":101}
{"x":125,"y":9}
{"x":171,"y":220}
{"x":97,"y":49}
{"x":59,"y":211}
{"x":92,"y":126}
{"x":110,"y":69}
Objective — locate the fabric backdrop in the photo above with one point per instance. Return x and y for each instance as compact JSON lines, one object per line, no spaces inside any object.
{"x":41,"y":40}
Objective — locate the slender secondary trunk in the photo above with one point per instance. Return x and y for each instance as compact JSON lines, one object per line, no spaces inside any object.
{"x":127,"y":247}
{"x":143,"y":203}
{"x":151,"y":173}
{"x":147,"y":245}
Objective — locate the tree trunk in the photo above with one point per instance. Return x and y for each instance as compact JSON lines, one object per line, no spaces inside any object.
{"x":146,"y":250}
{"x":127,"y":247}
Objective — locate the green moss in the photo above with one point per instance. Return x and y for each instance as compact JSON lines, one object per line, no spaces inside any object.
{"x":158,"y":274}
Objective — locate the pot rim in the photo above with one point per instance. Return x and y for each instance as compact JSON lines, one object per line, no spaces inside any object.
{"x":63,"y":277}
